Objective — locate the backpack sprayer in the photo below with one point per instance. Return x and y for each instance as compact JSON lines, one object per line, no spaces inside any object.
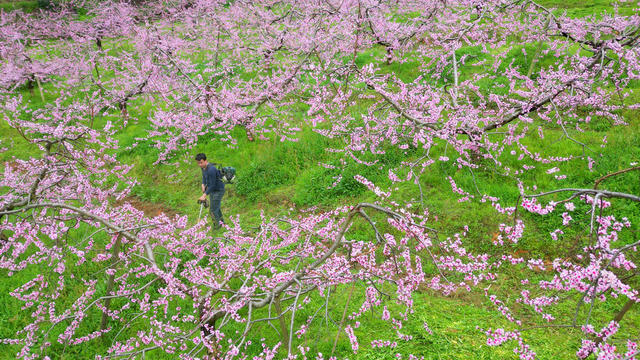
{"x":227,"y":173}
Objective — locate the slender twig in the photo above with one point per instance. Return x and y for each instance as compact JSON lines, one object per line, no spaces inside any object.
{"x":599,"y":180}
{"x":344,"y":316}
{"x":293,"y":316}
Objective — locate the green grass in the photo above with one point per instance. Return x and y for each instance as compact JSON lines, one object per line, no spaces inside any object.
{"x":598,"y":8}
{"x":26,"y":6}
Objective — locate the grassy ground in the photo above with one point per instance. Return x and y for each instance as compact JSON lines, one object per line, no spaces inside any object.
{"x":278,"y":178}
{"x":26,"y":6}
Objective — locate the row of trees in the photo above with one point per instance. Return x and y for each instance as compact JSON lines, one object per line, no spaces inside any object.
{"x":212,"y":66}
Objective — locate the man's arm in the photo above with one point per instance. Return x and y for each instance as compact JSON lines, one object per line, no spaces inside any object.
{"x":210,"y":180}
{"x":204,"y":187}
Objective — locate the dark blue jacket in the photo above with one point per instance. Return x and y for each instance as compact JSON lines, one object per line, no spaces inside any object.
{"x":211,"y":179}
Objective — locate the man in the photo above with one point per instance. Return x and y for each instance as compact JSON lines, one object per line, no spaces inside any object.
{"x":213,"y":187}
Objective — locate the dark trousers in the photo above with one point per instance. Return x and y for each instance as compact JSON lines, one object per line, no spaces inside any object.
{"x":214,"y":208}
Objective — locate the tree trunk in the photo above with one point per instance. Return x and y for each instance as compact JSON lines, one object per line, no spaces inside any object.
{"x":107,"y":302}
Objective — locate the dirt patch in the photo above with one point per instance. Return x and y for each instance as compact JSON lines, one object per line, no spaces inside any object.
{"x":13,"y":165}
{"x":150,"y":209}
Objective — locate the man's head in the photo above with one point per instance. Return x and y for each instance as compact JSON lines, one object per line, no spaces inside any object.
{"x":202,"y":160}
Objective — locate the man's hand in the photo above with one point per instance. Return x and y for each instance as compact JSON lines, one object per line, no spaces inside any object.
{"x":203,"y":197}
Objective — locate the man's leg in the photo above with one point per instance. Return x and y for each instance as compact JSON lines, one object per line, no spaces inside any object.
{"x":216,"y":213}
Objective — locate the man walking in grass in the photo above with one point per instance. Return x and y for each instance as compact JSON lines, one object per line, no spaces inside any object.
{"x":213,"y":187}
